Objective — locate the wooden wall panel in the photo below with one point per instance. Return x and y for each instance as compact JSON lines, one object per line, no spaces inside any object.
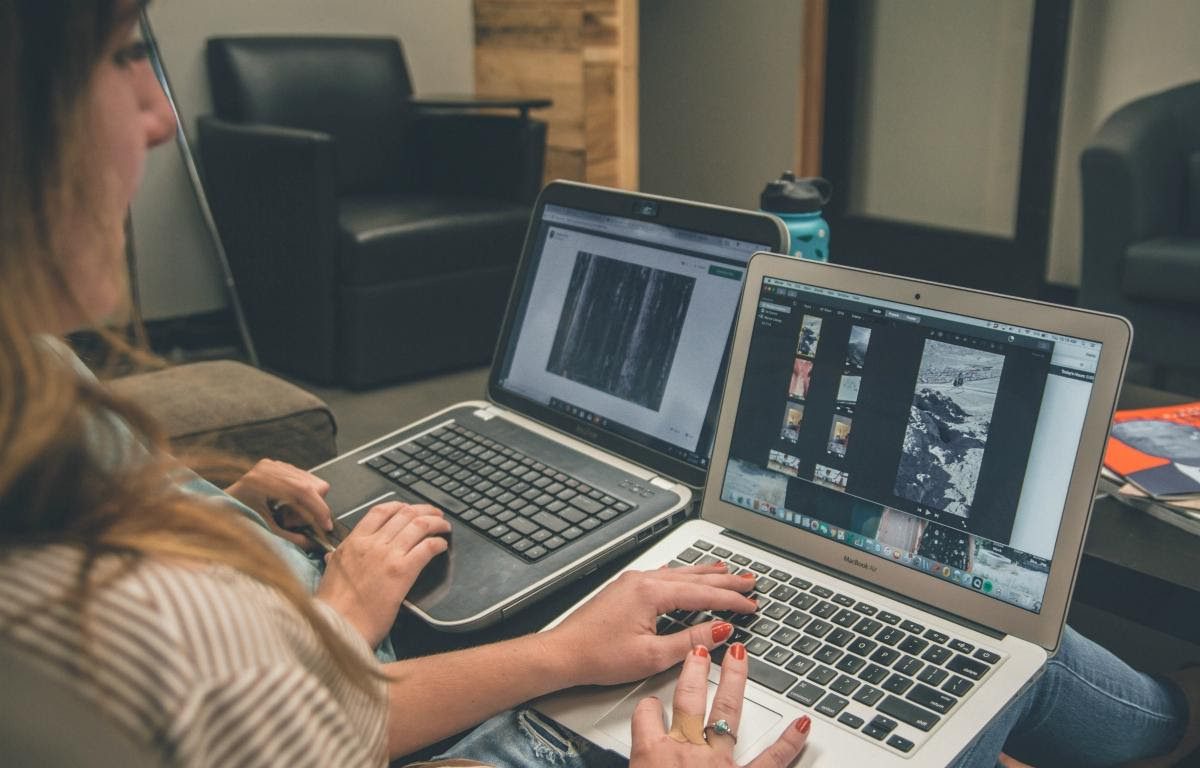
{"x":557,"y":75}
{"x":600,"y":122}
{"x":583,"y":55}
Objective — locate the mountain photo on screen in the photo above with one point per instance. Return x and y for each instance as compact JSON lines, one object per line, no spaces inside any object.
{"x":948,"y":425}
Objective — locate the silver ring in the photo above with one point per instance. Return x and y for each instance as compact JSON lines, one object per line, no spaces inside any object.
{"x":720,"y":728}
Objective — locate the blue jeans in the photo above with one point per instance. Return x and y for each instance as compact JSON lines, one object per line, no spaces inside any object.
{"x":1089,"y":708}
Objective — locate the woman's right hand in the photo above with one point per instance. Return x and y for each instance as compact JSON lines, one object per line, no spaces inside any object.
{"x":612,"y":638}
{"x":370,"y":573}
{"x":692,"y":742}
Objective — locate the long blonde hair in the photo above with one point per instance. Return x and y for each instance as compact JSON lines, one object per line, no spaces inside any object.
{"x":55,"y":487}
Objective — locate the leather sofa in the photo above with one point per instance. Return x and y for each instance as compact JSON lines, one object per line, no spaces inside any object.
{"x":1141,"y":225}
{"x":370,"y":240}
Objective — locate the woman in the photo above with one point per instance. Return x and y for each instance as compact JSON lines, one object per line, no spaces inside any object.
{"x":170,"y":613}
{"x":160,"y":606}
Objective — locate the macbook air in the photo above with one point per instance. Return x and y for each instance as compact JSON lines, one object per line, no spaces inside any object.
{"x":907,"y":468}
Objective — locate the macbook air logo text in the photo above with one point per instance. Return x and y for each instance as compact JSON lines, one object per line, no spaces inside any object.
{"x":859,"y":563}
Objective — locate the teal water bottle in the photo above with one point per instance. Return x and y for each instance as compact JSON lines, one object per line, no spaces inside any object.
{"x":798,"y":203}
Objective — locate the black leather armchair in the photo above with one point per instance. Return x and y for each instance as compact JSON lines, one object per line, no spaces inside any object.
{"x":1141,"y":224}
{"x":370,"y":240}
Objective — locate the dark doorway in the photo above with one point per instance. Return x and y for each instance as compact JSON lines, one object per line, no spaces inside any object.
{"x":986,"y":82}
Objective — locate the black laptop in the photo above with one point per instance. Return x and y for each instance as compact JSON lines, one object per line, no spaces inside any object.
{"x":601,"y":405}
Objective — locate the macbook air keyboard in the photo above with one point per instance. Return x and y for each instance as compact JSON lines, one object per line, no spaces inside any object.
{"x":526,"y":506}
{"x":865,"y":668}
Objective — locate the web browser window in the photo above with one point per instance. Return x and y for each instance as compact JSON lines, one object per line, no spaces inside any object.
{"x":626,"y":324}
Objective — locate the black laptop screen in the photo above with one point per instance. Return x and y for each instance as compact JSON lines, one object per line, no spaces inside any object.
{"x":942,"y":442}
{"x":625,"y":324}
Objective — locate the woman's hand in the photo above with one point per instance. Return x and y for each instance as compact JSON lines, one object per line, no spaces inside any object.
{"x":287,"y":497}
{"x":368,"y":576}
{"x":692,"y":740}
{"x":612,"y":638}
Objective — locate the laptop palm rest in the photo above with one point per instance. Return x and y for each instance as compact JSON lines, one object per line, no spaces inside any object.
{"x":757,"y":720}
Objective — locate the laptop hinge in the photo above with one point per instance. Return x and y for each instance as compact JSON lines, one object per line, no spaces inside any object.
{"x":871,"y":586}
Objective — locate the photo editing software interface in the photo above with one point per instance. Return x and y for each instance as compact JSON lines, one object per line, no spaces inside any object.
{"x":942,"y":442}
{"x":625,"y":324}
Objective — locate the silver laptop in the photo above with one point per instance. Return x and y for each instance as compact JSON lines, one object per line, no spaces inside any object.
{"x":601,"y":404}
{"x":908,"y":468}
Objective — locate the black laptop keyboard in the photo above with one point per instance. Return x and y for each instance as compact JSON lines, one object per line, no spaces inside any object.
{"x":825,"y":650}
{"x":526,"y":506}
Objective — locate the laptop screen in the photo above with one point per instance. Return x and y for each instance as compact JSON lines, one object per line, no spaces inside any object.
{"x":940,"y":441}
{"x":625,"y":324}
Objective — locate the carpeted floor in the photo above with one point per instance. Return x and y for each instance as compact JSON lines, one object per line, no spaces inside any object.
{"x":364,"y":416}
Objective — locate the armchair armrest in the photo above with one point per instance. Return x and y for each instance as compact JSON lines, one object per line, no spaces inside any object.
{"x":1131,"y":183}
{"x":487,"y":155}
{"x":471,"y":101}
{"x":273,"y":195}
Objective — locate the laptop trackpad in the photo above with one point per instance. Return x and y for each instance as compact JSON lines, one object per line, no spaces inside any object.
{"x":756,"y":719}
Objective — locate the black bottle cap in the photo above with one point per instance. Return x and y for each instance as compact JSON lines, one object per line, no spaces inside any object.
{"x":787,"y":194}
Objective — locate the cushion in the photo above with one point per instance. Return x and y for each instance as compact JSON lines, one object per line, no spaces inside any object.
{"x":36,"y":707}
{"x":389,"y":238}
{"x":1165,"y":269}
{"x":234,"y":407}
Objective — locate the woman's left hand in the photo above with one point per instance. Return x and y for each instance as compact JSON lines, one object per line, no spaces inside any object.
{"x":287,"y":497}
{"x":694,"y":740}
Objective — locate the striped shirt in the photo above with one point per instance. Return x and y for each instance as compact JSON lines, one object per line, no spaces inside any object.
{"x":203,"y":664}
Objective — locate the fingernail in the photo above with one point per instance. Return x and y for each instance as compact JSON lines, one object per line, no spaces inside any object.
{"x":701,"y":651}
{"x":803,"y":724}
{"x":747,"y":575}
{"x":737,"y":651}
{"x":722,"y":565}
{"x":721,"y":631}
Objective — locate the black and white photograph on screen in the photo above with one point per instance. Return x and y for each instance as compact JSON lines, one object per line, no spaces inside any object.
{"x":620,"y":328}
{"x":839,"y":435}
{"x":848,"y":388}
{"x":792,"y":417}
{"x":783,"y":462}
{"x":947,"y":546}
{"x":830,"y":477}
{"x":856,"y":350}
{"x":899,"y":529}
{"x":810,"y":334}
{"x":801,"y":371}
{"x":948,"y":425}
{"x":1009,"y":575}
{"x":746,"y":483}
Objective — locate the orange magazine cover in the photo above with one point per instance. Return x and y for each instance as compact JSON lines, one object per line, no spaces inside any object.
{"x":1157,"y":449}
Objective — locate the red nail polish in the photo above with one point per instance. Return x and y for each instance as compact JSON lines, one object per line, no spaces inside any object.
{"x":721,"y":631}
{"x":746,"y":575}
{"x":737,"y":651}
{"x":803,"y":724}
{"x":701,"y":651}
